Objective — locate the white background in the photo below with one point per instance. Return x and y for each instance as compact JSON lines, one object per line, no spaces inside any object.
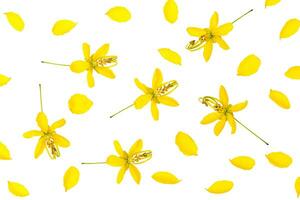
{"x":136,"y":44}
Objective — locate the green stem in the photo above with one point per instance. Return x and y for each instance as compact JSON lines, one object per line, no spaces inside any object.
{"x":257,"y":136}
{"x":92,"y":163}
{"x":121,"y":111}
{"x":242,"y":16}
{"x":52,"y":63}
{"x":41,"y":98}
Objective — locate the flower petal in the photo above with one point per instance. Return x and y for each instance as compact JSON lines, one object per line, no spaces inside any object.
{"x":115,"y":161}
{"x":290,"y":28}
{"x":214,"y":20}
{"x":119,"y":14}
{"x":4,"y":80}
{"x":222,"y":43}
{"x":239,"y":106}
{"x":219,"y":126}
{"x":118,"y":148}
{"x":154,"y":111}
{"x":58,"y":124}
{"x":171,"y":11}
{"x":271,"y":2}
{"x":243,"y":162}
{"x":63,"y":26}
{"x":142,"y":100}
{"x":61,"y":141}
{"x":280,"y":99}
{"x":86,"y":51}
{"x":102,"y":51}
{"x":293,"y":72}
{"x":32,"y":133}
{"x":71,"y":178}
{"x":121,"y":173}
{"x":17,"y":189}
{"x":79,"y":104}
{"x":142,"y":86}
{"x":42,"y":121}
{"x":195,"y":31}
{"x":170,"y":55}
{"x":15,"y":20}
{"x":165,"y":178}
{"x":169,"y":101}
{"x":279,"y":159}
{"x":39,"y":147}
{"x":249,"y":65}
{"x":211,"y":117}
{"x":208,"y":47}
{"x":186,"y":144}
{"x":105,"y":72}
{"x":136,"y":147}
{"x":135,"y":173}
{"x":90,"y":78}
{"x":297,"y":186}
{"x":79,"y":66}
{"x":232,"y":122}
{"x":4,"y":152}
{"x":223,"y":95}
{"x":220,"y":187}
{"x":157,"y":78}
{"x":224,"y":29}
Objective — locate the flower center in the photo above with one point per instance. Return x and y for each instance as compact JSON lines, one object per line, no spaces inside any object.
{"x":141,"y":157}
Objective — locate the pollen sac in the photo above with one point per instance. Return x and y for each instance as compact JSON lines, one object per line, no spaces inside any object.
{"x":52,"y":148}
{"x":166,"y":88}
{"x":195,"y":45}
{"x":141,"y":157}
{"x":107,"y":61}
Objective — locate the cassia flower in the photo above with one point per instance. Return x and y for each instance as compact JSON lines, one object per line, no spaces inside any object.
{"x":48,"y":138}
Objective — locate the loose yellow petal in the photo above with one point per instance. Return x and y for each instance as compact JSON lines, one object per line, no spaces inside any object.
{"x":170,"y":55}
{"x":271,"y":2}
{"x":119,"y":14}
{"x":279,"y":159}
{"x":71,"y":178}
{"x":186,"y":144}
{"x":297,"y":186}
{"x":4,"y":152}
{"x":17,"y":189}
{"x":135,"y":173}
{"x":211,"y":117}
{"x":30,"y":134}
{"x":15,"y":21}
{"x":63,"y":26}
{"x":115,"y":161}
{"x":280,"y":99}
{"x":79,"y":66}
{"x":293,"y":72}
{"x":290,"y":28}
{"x":243,"y":162}
{"x":4,"y":80}
{"x":249,"y":65}
{"x":220,"y":187}
{"x":165,"y":178}
{"x":79,"y":104}
{"x":171,"y":11}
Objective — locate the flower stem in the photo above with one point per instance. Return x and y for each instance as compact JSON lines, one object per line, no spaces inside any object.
{"x":242,"y":16}
{"x":92,"y":163}
{"x":257,"y":136}
{"x":120,"y":111}
{"x":41,"y":97}
{"x":52,"y":63}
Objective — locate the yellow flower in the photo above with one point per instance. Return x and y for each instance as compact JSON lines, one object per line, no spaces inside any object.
{"x":157,"y":94}
{"x":48,"y":138}
{"x":99,"y":62}
{"x":208,"y":36}
{"x":128,"y":160}
{"x":223,"y":111}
